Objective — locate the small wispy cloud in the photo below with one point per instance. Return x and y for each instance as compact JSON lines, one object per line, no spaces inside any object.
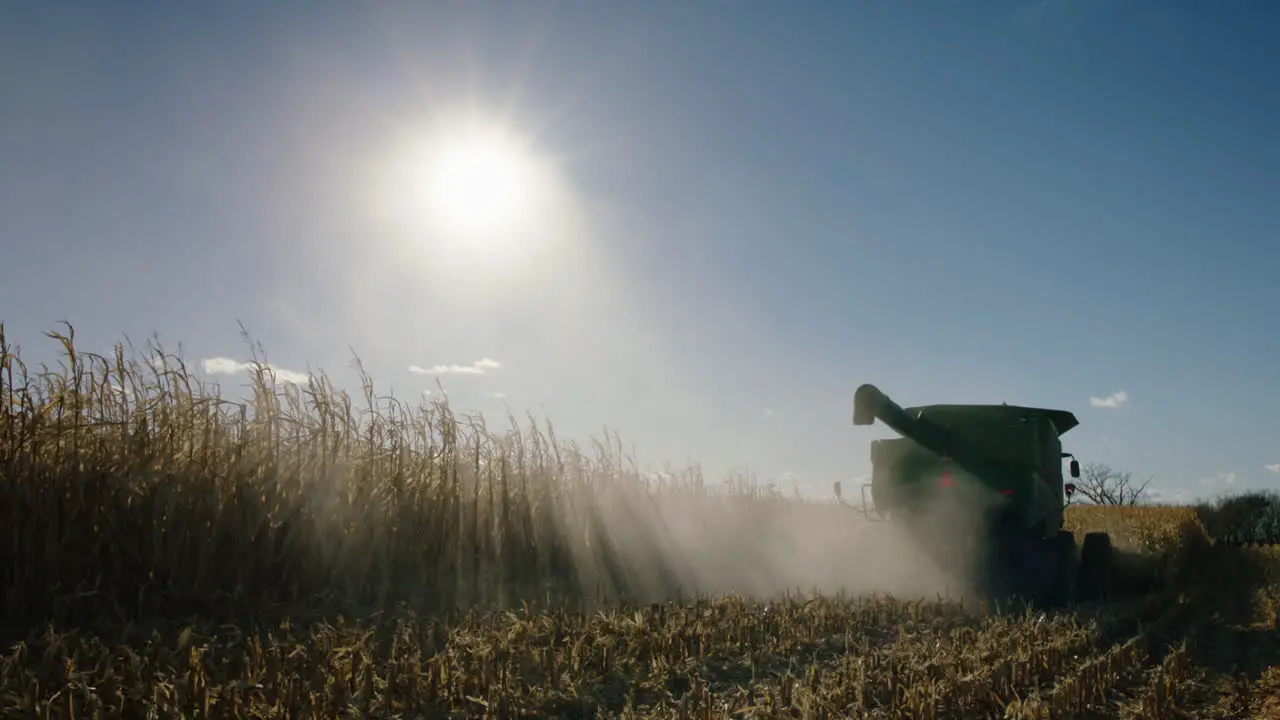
{"x":479,"y":367}
{"x":1273,"y":467}
{"x":768,"y":411}
{"x":1116,"y":399}
{"x":497,"y":396}
{"x":227,"y":366}
{"x":1165,"y":497}
{"x":1222,"y":478}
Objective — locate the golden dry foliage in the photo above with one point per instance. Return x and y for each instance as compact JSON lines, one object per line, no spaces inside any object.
{"x":132,"y":489}
{"x":169,"y":554}
{"x":1167,"y":654}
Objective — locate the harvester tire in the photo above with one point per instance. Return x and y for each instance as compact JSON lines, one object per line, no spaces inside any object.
{"x":1062,"y":583}
{"x":1006,"y":570}
{"x":1095,"y":567}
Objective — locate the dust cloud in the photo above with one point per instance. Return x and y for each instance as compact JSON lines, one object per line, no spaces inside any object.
{"x":765,"y":547}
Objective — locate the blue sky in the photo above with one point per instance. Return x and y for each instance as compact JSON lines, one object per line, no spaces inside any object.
{"x":748,"y":209}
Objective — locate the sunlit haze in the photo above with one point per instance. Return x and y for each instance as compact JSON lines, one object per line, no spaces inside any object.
{"x":466,"y":187}
{"x":701,"y":225}
{"x":476,"y":184}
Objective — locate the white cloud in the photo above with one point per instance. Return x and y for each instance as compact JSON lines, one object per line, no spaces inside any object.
{"x":223,"y":366}
{"x":1164,"y":497}
{"x":478,"y":367}
{"x":768,"y":411}
{"x":1222,"y":478}
{"x":1273,"y":467}
{"x":497,"y":396}
{"x":1114,"y":400}
{"x":227,"y":366}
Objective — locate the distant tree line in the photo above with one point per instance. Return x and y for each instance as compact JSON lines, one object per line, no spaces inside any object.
{"x":1251,"y":518}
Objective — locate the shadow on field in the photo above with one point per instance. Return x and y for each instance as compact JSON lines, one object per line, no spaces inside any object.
{"x":1241,"y":638}
{"x":1135,"y":574}
{"x":1231,"y":632}
{"x":1240,"y":574}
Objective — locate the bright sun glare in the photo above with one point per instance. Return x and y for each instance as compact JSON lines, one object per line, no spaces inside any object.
{"x":477,"y":183}
{"x":474,"y":191}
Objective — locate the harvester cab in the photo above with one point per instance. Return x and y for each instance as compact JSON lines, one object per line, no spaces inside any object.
{"x":987,"y":478}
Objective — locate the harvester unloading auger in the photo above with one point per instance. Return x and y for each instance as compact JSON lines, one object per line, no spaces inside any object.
{"x":981,"y":486}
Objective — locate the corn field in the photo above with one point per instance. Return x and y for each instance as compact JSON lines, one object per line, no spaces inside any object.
{"x":167,"y":552}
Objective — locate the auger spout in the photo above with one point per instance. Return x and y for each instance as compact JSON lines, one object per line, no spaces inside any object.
{"x":869,"y":405}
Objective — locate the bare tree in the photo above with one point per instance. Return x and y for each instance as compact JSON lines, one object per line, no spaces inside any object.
{"x":1103,"y":485}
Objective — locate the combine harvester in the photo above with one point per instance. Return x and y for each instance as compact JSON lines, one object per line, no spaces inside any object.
{"x":981,"y":488}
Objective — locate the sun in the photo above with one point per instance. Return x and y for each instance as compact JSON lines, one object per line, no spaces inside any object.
{"x":478,"y":183}
{"x":469,"y":193}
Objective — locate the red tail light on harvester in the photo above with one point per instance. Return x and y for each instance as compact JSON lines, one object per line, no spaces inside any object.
{"x":946,"y":480}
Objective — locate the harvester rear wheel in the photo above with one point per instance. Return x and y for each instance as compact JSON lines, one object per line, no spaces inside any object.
{"x":1095,"y":567}
{"x":1062,"y":555}
{"x":1004,"y":568}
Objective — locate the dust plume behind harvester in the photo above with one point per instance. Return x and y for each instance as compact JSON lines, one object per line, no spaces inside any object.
{"x":981,"y":488}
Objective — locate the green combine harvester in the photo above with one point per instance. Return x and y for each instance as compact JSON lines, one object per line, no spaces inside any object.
{"x":982,"y":488}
